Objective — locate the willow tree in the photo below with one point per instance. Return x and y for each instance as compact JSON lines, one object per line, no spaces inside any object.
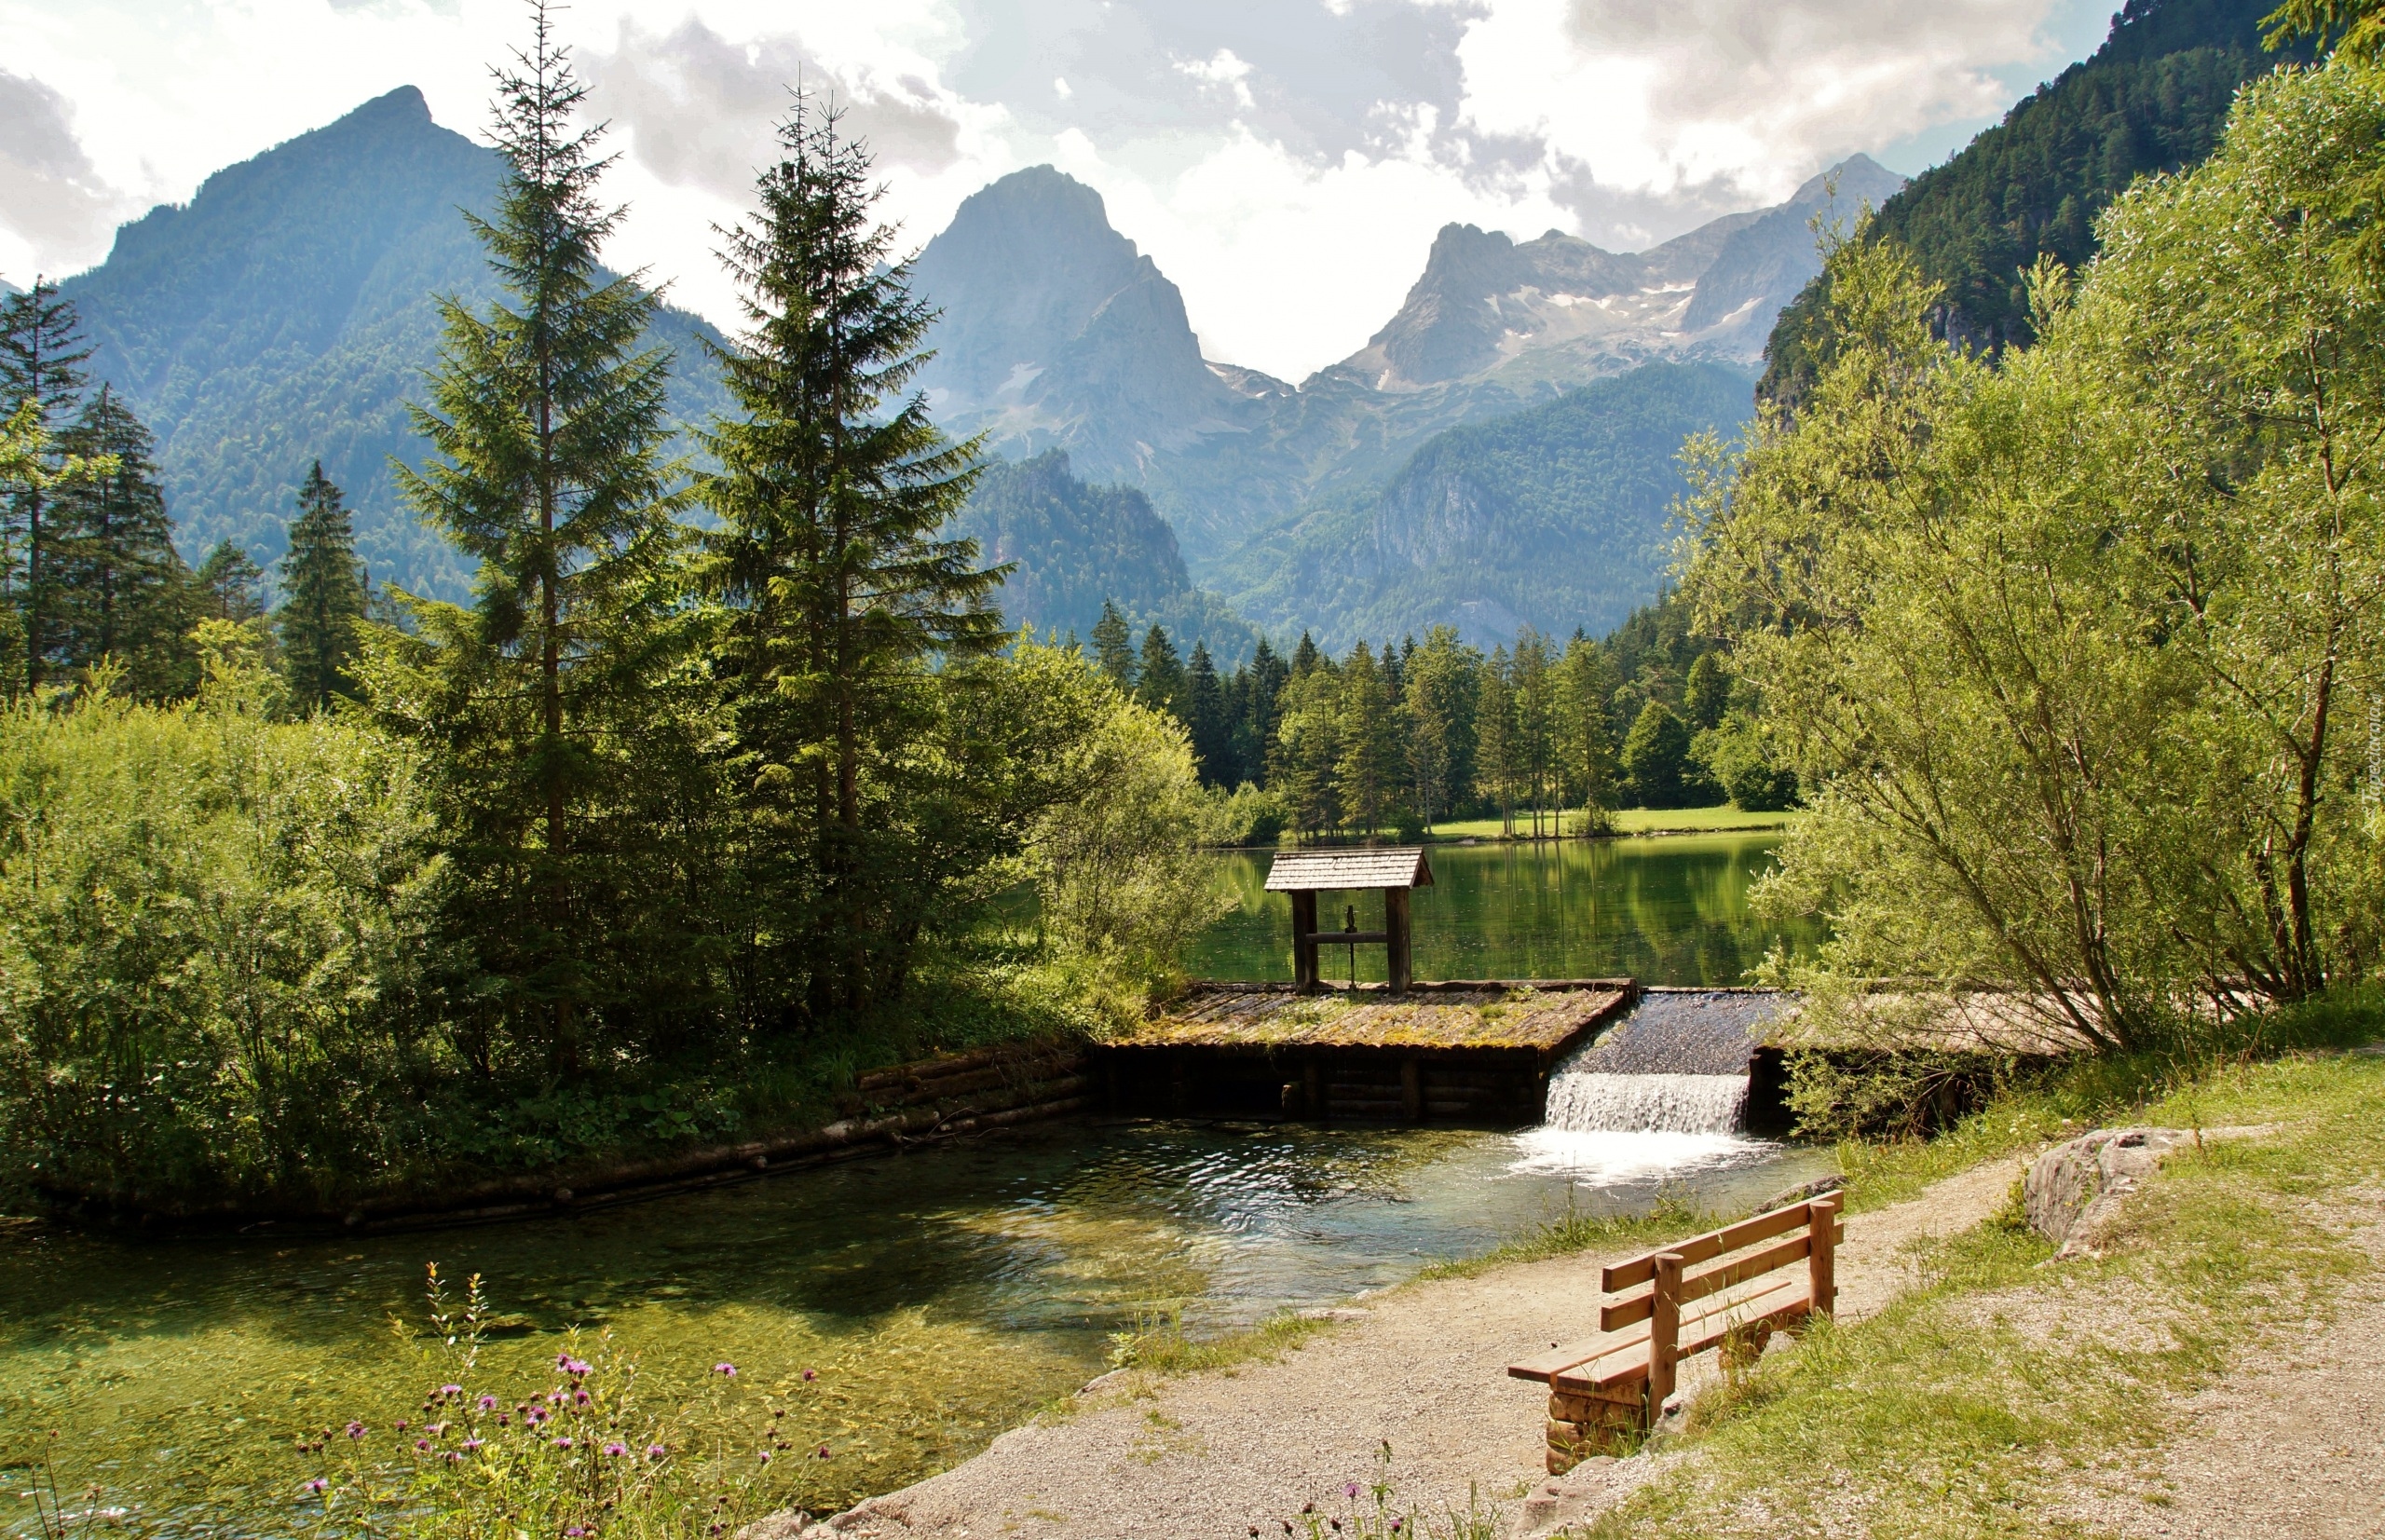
{"x":838,"y":593}
{"x":548,"y":436}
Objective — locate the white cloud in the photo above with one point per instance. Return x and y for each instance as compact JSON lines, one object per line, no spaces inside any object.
{"x":1286,"y":161}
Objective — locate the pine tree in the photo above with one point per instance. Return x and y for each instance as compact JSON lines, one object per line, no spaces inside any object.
{"x":41,"y":368}
{"x":1440,"y":678}
{"x":832,"y":485}
{"x":229,"y":585}
{"x":1262,"y":691}
{"x":1205,"y":716}
{"x":323,"y":596}
{"x":1369,"y":764}
{"x":1585,"y":685}
{"x":1114,"y":646}
{"x":1535,"y":723}
{"x":548,"y":466}
{"x":1160,"y":673}
{"x":121,"y":590}
{"x":1306,"y":659}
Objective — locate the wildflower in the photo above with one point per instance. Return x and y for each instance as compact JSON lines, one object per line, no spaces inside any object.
{"x":471,"y":1446}
{"x":1395,"y":1526}
{"x":574,"y":1533}
{"x":423,"y":1445}
{"x":824,"y":1452}
{"x":446,"y":1391}
{"x":401,"y":1426}
{"x":766,"y":1457}
{"x":655,"y":1451}
{"x":355,"y":1430}
{"x":727,"y":1371}
{"x":1350,"y":1489}
{"x":562,"y":1443}
{"x":319,"y":1486}
{"x":714,"y":1529}
{"x":1337,"y":1523}
{"x":488,"y":1403}
{"x":810,"y":1375}
{"x":580,"y":1397}
{"x":504,"y":1421}
{"x":617,"y":1448}
{"x":563,"y":1360}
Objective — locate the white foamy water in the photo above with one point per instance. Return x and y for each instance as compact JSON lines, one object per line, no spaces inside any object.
{"x":1599,"y":1157}
{"x":1659,"y":1103}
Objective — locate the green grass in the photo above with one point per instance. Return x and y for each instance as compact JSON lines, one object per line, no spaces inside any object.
{"x":1635,"y":821}
{"x":1972,"y":1403}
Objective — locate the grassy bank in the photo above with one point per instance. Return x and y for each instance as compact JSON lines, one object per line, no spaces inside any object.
{"x":1628,"y":820}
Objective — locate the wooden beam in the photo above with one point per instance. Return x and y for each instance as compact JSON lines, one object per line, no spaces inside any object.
{"x":1395,"y":922}
{"x":1304,"y":940}
{"x":1821,"y":1260}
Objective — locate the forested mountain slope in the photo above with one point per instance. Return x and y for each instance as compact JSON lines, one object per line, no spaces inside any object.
{"x":1553,"y":518}
{"x":287,"y":312}
{"x":1075,"y":546}
{"x":2153,"y":98}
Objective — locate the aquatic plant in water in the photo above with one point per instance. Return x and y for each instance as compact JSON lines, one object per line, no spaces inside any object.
{"x":574,"y":1456}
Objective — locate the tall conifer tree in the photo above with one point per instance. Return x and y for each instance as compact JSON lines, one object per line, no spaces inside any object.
{"x":832,"y":486}
{"x":1160,"y":683}
{"x":120,"y":589}
{"x":229,"y":584}
{"x":323,"y":595}
{"x":548,"y":437}
{"x":42,"y":355}
{"x":1205,"y":716}
{"x":1114,"y":646}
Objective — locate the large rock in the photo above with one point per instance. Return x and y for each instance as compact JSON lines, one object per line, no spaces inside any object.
{"x":2075,"y":1192}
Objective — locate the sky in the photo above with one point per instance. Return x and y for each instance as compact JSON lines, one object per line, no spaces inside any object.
{"x":1286,"y":162}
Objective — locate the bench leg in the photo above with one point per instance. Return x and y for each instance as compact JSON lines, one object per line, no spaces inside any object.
{"x":1612,"y":1422}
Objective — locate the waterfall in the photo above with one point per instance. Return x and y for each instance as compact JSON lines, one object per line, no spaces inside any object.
{"x":1589,"y":1102}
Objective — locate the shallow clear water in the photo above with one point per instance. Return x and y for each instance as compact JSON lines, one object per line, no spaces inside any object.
{"x":941,"y":1294}
{"x":1671,"y":910}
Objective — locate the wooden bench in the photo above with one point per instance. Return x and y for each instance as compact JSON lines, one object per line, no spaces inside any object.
{"x":1727,"y":1288}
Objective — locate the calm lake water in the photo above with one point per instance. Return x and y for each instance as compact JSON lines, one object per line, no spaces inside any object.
{"x":940,"y":1294}
{"x":1665,"y":911}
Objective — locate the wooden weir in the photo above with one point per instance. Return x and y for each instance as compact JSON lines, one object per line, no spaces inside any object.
{"x":1605,"y":1392}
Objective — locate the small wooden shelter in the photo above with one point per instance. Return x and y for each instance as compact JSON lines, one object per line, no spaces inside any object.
{"x":1393,"y":870}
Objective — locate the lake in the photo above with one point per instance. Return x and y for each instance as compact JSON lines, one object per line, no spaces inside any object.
{"x":1671,"y":910}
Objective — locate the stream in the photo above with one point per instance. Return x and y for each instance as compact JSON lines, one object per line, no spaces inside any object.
{"x":939,"y":1296}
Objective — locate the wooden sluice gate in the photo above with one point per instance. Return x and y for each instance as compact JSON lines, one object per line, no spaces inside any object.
{"x":1473,"y":1051}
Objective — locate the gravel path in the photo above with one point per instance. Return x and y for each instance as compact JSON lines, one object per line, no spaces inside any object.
{"x":1216,"y":1453}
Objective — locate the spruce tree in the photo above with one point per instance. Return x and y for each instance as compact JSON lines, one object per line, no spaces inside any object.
{"x":323,"y":596}
{"x":1205,"y":716}
{"x":1370,"y":761}
{"x":121,"y":591}
{"x":1255,"y":727}
{"x":42,"y":355}
{"x":549,"y":466}
{"x":833,"y":484}
{"x":1498,"y":758}
{"x":1707,"y":694}
{"x":1160,"y":673}
{"x":1114,"y":646}
{"x":229,"y":584}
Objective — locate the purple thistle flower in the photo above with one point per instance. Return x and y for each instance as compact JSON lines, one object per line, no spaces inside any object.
{"x":563,"y":1360}
{"x":766,"y":1457}
{"x":574,"y":1533}
{"x":810,"y":1375}
{"x":562,"y":1443}
{"x":617,"y":1448}
{"x":488,"y":1403}
{"x":580,"y":1397}
{"x":504,"y":1421}
{"x":401,"y":1426}
{"x":1350,"y":1489}
{"x":423,"y":1445}
{"x":655,"y":1451}
{"x":451,"y":1390}
{"x":1395,"y":1526}
{"x":355,"y":1430}
{"x":823,"y":1454}
{"x":728,"y":1370}
{"x":471,"y":1444}
{"x":317,"y":1486}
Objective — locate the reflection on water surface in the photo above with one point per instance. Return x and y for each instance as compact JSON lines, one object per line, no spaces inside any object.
{"x":941,"y":1294}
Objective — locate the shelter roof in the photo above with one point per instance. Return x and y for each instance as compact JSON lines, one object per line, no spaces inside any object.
{"x":1341,"y":871}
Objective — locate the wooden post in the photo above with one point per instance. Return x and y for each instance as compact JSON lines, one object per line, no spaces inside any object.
{"x":1397,"y":968}
{"x":1822,"y":1260}
{"x":1313,"y":1091}
{"x":1304,"y":940}
{"x":1664,"y":1333}
{"x":1411,"y":1090}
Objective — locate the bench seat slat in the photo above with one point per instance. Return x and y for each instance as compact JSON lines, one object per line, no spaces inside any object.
{"x":1625,"y":1362}
{"x":1639,"y":1306}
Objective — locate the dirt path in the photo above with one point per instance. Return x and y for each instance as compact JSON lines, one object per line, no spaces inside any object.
{"x":2292,"y":1447}
{"x":1216,"y":1453}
